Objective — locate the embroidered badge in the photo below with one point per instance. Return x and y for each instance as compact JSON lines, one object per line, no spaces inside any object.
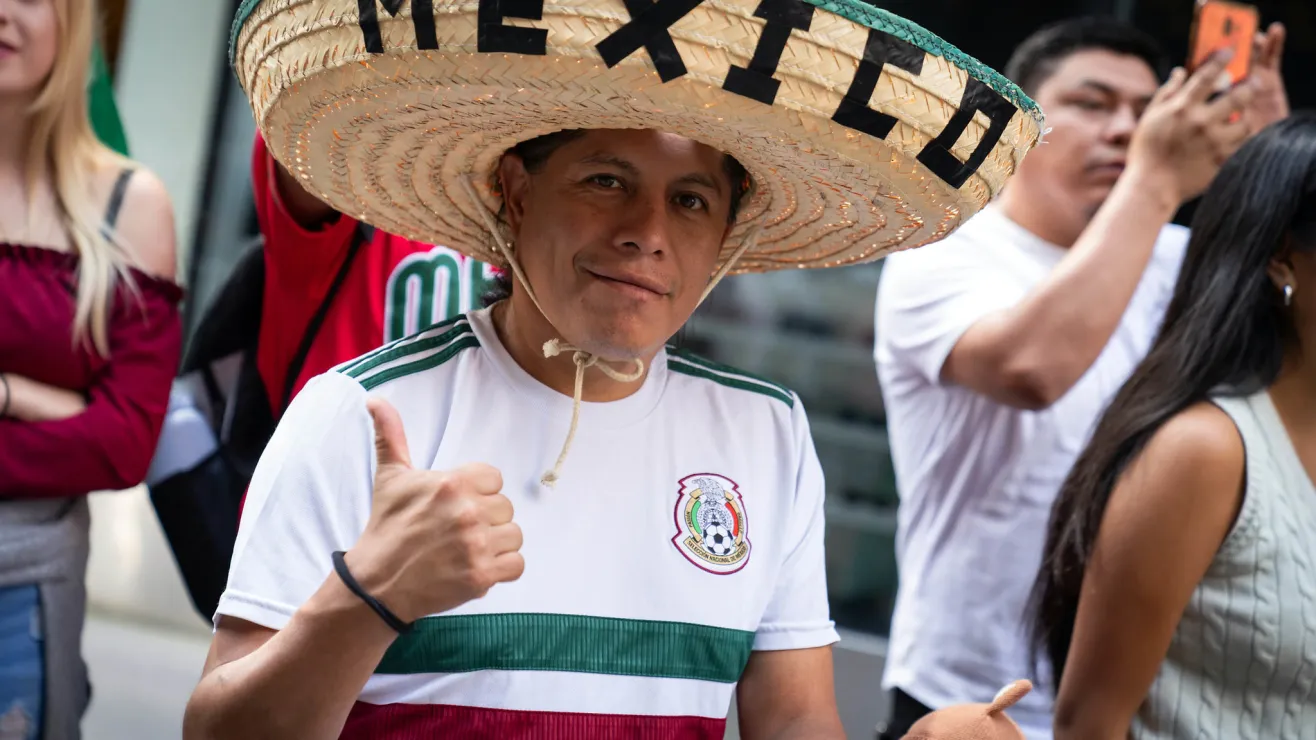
{"x":712,"y":530}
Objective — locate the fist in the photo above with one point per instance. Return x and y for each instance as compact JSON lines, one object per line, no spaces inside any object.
{"x":435,"y":539}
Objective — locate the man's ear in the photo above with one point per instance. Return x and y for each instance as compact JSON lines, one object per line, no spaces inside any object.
{"x":515,"y":183}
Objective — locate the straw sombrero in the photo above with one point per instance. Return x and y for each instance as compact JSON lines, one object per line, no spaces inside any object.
{"x":863,"y":133}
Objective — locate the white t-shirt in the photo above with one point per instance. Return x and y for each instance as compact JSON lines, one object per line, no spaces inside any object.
{"x":686,"y":530}
{"x":977,"y":478}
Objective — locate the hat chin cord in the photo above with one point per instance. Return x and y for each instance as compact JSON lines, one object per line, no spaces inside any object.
{"x":581,"y":358}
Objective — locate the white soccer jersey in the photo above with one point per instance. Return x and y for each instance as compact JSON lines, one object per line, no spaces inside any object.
{"x":686,"y":531}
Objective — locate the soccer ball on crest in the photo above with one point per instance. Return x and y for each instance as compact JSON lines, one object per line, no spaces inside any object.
{"x":718,"y":540}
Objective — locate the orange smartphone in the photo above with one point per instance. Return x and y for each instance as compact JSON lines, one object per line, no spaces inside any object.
{"x":1218,"y":24}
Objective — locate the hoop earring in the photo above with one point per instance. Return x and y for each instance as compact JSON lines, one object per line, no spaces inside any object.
{"x":1288,"y":294}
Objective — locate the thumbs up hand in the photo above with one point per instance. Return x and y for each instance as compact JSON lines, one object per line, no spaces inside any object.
{"x":435,"y":539}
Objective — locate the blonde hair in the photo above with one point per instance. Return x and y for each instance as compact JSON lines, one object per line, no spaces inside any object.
{"x":61,"y":139}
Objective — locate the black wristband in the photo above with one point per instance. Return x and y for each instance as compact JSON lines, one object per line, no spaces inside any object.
{"x":4,"y":410}
{"x":391,"y":619}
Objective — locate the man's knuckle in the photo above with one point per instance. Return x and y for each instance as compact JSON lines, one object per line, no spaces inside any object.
{"x":466,"y":515}
{"x":479,"y":578}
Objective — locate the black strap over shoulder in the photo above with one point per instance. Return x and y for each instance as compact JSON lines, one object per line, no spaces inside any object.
{"x":116,"y":198}
{"x":361,"y":236}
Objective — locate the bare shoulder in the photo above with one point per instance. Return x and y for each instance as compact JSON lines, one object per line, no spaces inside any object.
{"x":1201,"y":436}
{"x":146,"y":221}
{"x":1196,"y":458}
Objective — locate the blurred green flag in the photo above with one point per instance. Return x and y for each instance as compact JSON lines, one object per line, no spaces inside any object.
{"x":100,"y":105}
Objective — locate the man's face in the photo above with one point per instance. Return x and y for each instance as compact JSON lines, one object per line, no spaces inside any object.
{"x":618,"y":233}
{"x":1093,"y":101}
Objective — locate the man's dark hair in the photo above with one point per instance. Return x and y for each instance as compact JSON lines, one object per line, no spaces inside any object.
{"x":535,"y":152}
{"x":1036,"y":59}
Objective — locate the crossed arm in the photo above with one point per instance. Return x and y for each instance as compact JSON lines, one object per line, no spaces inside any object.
{"x":28,"y":400}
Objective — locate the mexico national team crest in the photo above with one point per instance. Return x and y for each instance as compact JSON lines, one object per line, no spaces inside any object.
{"x":712,"y":530}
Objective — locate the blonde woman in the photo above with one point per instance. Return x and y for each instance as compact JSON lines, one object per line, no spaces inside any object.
{"x":89,"y":339}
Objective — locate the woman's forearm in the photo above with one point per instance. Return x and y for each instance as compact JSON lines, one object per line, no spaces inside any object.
{"x":30,"y":400}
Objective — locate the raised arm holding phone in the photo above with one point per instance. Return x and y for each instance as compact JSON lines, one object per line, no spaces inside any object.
{"x":997,"y":348}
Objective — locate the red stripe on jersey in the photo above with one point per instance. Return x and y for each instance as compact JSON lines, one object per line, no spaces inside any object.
{"x":417,"y":721}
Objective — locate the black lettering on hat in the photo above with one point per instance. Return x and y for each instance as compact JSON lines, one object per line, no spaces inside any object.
{"x":648,"y":28}
{"x":978,"y":96}
{"x":493,"y":36}
{"x":422,"y":17}
{"x":882,"y":49}
{"x":757,"y":81}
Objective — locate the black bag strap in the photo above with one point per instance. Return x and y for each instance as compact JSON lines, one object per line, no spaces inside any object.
{"x":361,"y":236}
{"x":116,"y":198}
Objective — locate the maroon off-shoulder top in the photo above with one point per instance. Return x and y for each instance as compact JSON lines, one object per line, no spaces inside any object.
{"x":109,"y":446}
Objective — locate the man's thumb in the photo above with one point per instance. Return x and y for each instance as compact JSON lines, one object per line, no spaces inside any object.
{"x":390,"y":436}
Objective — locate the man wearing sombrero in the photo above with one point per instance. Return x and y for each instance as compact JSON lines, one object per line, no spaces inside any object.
{"x":554,"y":527}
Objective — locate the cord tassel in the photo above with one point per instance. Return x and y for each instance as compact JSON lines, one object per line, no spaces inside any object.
{"x":583,"y":360}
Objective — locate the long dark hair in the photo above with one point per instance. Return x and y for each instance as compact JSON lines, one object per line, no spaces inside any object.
{"x":1226,"y":328}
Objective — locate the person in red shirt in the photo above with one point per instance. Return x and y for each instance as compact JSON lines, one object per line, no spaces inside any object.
{"x":395,"y":287}
{"x":327,"y":297}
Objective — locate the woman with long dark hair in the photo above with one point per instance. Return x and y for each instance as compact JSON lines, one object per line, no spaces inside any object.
{"x":1177,"y":595}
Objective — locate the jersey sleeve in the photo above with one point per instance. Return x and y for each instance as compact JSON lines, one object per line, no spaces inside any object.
{"x":798,"y":615}
{"x":310,"y":496}
{"x":929,"y":297}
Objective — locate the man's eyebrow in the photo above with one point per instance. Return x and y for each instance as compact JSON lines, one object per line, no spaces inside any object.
{"x":1105,"y":89}
{"x":1100,"y":87}
{"x":693,"y":178}
{"x":699,"y":178}
{"x":612,"y":161}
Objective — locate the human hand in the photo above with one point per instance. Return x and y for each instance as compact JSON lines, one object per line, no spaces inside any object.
{"x":1186,"y":135}
{"x":1270,"y":102}
{"x":435,"y":539}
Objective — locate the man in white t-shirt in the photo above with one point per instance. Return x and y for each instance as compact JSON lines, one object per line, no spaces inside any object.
{"x":998,"y":348}
{"x":405,"y":567}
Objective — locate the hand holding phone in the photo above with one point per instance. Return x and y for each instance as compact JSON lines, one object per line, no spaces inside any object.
{"x":1220,"y":25}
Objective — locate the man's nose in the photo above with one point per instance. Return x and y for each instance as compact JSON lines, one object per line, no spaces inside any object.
{"x":645,"y":226}
{"x":1122,"y":124}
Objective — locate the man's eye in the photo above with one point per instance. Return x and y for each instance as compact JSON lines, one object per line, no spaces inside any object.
{"x":605,"y":181}
{"x":1089,"y":105}
{"x":691,"y":201}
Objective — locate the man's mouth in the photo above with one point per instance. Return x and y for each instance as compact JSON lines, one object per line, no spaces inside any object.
{"x":626,"y":279}
{"x":1113,"y":167}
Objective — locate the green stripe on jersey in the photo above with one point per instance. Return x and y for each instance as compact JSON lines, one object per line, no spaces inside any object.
{"x":741,"y":382}
{"x":428,"y":338}
{"x":371,"y":382}
{"x":708,"y":364}
{"x":563,"y":642}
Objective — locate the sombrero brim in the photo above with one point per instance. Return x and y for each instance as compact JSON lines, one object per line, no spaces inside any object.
{"x":386,"y":130}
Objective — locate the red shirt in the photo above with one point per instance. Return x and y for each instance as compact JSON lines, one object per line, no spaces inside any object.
{"x":109,"y":446}
{"x":395,"y":287}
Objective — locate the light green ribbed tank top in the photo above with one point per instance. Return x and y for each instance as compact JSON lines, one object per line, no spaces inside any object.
{"x":1242,"y":664}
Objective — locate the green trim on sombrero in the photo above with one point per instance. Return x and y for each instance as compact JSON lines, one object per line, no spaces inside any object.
{"x":853,"y":10}
{"x":244,"y":12}
{"x":867,"y":15}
